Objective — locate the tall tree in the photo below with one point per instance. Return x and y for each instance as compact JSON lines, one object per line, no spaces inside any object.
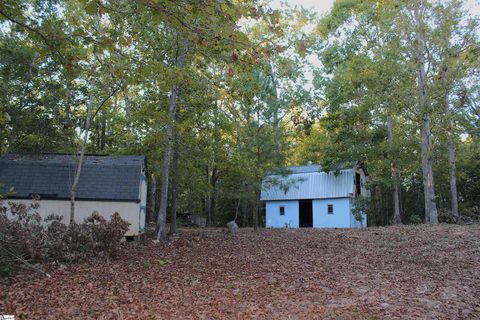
{"x":162,"y":211}
{"x":456,"y":52}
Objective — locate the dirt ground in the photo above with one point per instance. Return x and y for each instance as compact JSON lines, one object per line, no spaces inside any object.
{"x":425,"y":272}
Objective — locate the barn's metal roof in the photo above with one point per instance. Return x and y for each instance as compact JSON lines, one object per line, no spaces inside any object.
{"x":113,"y":178}
{"x":304,"y":169}
{"x":308,"y":182}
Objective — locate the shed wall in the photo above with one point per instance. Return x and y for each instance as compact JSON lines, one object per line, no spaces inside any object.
{"x":128,"y":211}
{"x":275,"y":220}
{"x":340,"y":217}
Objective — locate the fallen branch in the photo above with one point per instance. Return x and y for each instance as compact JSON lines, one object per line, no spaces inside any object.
{"x":24,"y":262}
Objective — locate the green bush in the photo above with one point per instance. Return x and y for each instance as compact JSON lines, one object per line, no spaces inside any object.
{"x":415,"y":219}
{"x":360,"y":206}
{"x":6,"y":269}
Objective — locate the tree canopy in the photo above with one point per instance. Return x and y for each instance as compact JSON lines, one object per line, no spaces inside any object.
{"x":217,"y":93}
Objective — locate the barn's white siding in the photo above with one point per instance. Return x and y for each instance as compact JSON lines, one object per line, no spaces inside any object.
{"x":340,"y":218}
{"x":275,"y":220}
{"x":129,"y":211}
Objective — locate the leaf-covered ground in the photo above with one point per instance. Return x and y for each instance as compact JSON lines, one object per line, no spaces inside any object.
{"x":378,"y":273}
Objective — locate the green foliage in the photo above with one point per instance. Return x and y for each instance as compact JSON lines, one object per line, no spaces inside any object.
{"x":6,"y":269}
{"x":360,"y":207}
{"x":415,"y":219}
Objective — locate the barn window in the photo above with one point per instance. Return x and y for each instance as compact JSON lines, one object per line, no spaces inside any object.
{"x":330,"y":209}
{"x":282,"y":211}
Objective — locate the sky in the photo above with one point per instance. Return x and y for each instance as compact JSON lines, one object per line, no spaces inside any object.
{"x":323,"y":6}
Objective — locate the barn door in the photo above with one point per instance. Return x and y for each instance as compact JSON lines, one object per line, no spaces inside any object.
{"x":305,"y":212}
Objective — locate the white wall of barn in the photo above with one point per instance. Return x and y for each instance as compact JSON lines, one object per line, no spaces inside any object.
{"x":129,"y":211}
{"x":341,"y":217}
{"x":275,"y":220}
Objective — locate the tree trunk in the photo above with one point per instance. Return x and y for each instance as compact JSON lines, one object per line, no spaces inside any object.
{"x":162,"y":212}
{"x":173,"y":224}
{"x":431,"y":215}
{"x":236,"y":210}
{"x":451,"y":151}
{"x":209,"y":197}
{"x":276,"y":134}
{"x":103,"y":134}
{"x":379,"y":206}
{"x":66,"y":122}
{"x":80,"y":161}
{"x":214,"y":193}
{"x":126,"y":99}
{"x":395,"y":177}
{"x":256,"y":208}
{"x":259,"y":177}
{"x":453,"y":175}
{"x":244,"y":208}
{"x":153,"y":195}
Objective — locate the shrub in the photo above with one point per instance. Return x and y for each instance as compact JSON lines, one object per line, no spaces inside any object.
{"x":6,"y":269}
{"x":415,"y":219}
{"x":359,"y":208}
{"x":445,"y":216}
{"x":467,"y":215}
{"x":25,"y":236}
{"x":471,"y":214}
{"x":105,"y":235}
{"x":24,"y":231}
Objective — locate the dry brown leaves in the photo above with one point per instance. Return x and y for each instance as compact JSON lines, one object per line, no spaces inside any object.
{"x":396,"y":272}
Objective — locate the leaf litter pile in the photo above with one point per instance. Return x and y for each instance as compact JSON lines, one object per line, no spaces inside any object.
{"x":377,"y":273}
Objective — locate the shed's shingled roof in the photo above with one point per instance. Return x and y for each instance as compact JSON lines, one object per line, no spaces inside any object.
{"x":51,"y":175}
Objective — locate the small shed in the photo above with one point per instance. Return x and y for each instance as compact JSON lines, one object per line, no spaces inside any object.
{"x":306,"y":196}
{"x":107,"y":184}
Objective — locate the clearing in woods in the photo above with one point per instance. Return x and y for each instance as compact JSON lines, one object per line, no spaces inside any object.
{"x":394,"y":272}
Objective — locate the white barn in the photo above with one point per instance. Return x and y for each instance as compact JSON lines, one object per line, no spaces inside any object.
{"x":308,"y":197}
{"x":107,"y":184}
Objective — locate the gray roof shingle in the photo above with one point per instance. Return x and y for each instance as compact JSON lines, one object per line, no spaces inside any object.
{"x":51,"y":176}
